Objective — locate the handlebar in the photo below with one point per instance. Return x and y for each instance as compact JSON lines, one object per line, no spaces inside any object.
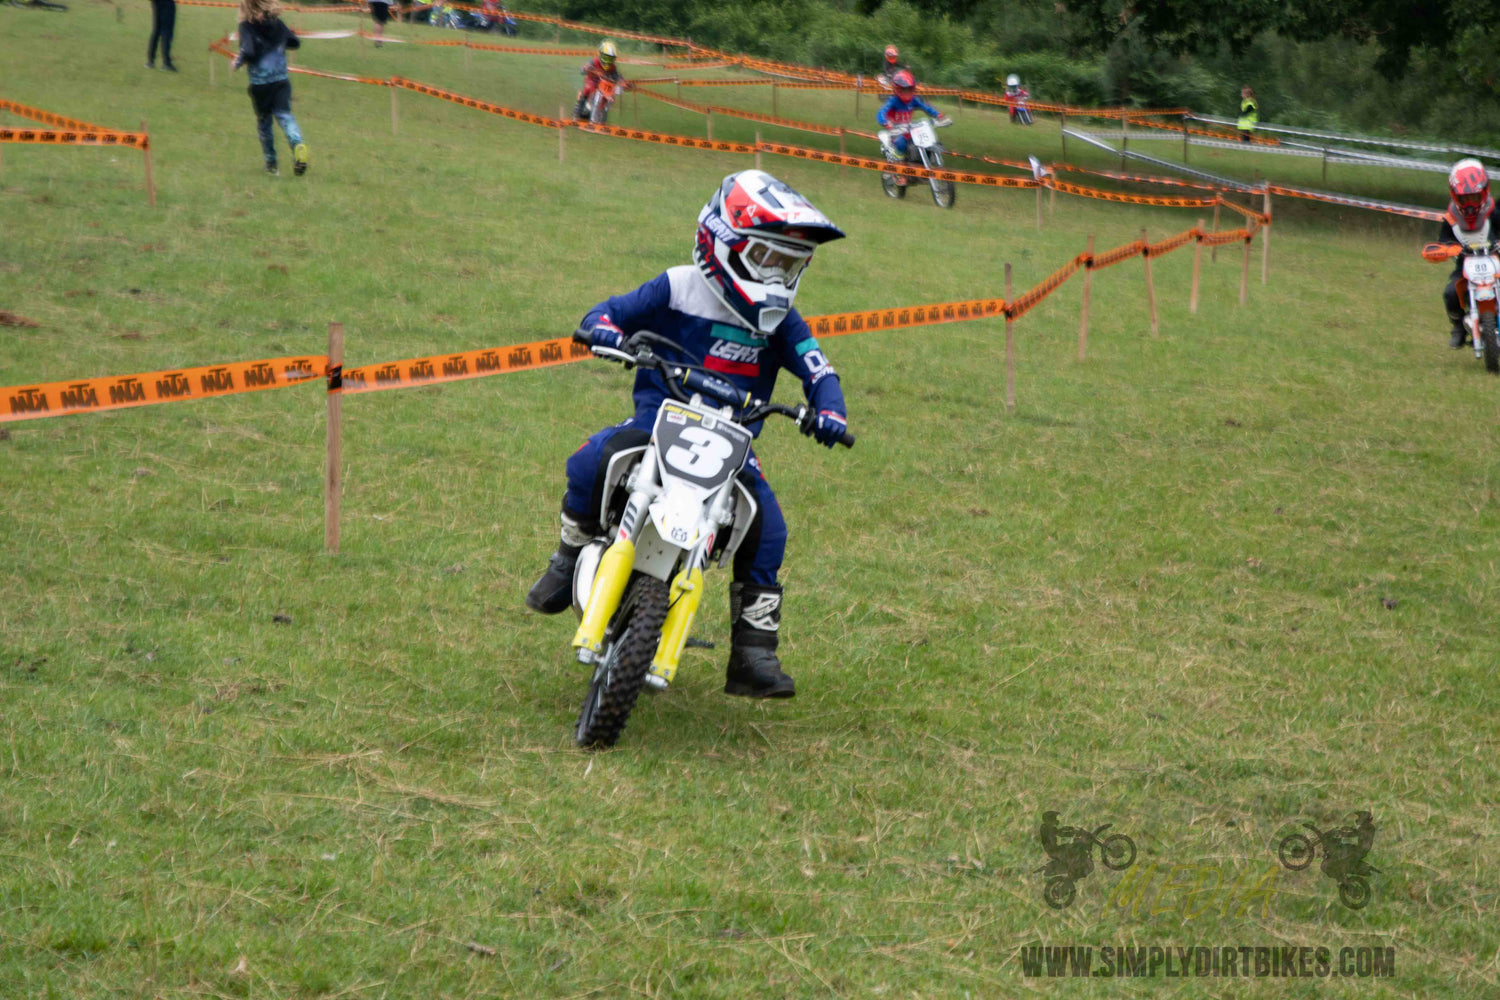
{"x":1438,"y":253}
{"x":682,"y":380}
{"x":905,"y":127}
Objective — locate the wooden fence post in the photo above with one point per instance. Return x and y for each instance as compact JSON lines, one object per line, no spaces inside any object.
{"x":1124,"y":138}
{"x":773,"y":99}
{"x":1213,"y":255}
{"x":1197,"y":267}
{"x":1038,"y":208}
{"x":1063,"y":134}
{"x":843,"y":151}
{"x":1265,"y":237}
{"x":150,"y":181}
{"x":562,"y":130}
{"x":710,"y":117}
{"x":1245,"y":269}
{"x":1010,"y":348}
{"x":393,"y":109}
{"x":859,"y":84}
{"x":1150,"y":285}
{"x":757,"y":149}
{"x":333,"y":479}
{"x":1088,"y":284}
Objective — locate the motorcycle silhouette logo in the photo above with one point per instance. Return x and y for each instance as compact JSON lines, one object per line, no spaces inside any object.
{"x":1070,"y":850}
{"x":1344,"y":850}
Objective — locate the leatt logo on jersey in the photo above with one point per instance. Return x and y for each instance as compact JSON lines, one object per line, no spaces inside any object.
{"x":733,"y":359}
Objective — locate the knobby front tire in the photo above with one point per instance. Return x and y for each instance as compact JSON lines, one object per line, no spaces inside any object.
{"x":1491,"y":342}
{"x":622,"y":672}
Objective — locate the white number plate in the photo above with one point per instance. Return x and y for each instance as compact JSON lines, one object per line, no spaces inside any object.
{"x":1480,"y":268}
{"x":923,"y":135}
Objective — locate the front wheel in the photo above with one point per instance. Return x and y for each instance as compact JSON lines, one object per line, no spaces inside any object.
{"x":600,"y":113}
{"x":892,"y":187}
{"x":629,"y":646}
{"x":1295,"y":851}
{"x":1488,"y":338}
{"x":944,"y":193}
{"x":1117,"y":852}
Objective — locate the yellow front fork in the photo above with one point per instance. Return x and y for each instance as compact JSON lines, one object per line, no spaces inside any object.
{"x":609,"y":584}
{"x":686,"y":592}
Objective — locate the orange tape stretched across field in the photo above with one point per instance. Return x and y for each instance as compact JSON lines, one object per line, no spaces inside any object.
{"x":55,"y":399}
{"x":28,"y":402}
{"x":67,"y":131}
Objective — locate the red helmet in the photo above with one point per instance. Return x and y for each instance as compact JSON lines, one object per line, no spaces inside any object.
{"x":891,"y":53}
{"x":1469,"y":193}
{"x":904,"y":84}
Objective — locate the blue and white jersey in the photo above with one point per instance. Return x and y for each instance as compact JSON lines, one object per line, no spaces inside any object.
{"x":679,"y":305}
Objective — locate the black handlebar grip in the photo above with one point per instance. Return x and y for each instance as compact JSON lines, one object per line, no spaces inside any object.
{"x":847,"y":440}
{"x":583,"y":337}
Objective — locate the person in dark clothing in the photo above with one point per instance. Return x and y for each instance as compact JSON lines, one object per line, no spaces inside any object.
{"x":264,"y":40}
{"x":890,"y":66}
{"x":1472,"y":219}
{"x":163,"y":21}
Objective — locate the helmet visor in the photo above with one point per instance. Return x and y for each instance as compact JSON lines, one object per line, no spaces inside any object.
{"x":776,"y":260}
{"x":1473,"y":199}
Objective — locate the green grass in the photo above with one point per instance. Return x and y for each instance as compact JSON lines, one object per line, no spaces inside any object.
{"x":1154,"y":595}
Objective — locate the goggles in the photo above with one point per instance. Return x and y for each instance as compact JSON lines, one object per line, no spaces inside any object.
{"x":775,"y":260}
{"x":1473,"y":199}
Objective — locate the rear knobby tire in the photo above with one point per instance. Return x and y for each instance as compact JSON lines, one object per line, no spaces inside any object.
{"x":1488,"y":338}
{"x":630,"y":645}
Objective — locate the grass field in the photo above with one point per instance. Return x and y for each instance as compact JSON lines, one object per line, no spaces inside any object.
{"x":1204,"y":587}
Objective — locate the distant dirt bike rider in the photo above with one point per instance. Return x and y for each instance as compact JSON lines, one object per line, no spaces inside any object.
{"x":1344,"y":849}
{"x":602,"y":66}
{"x":890,"y":66}
{"x":1472,"y":219}
{"x":732,"y":314}
{"x":898,"y":110}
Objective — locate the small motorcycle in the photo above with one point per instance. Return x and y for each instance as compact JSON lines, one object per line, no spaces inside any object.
{"x":924,"y":150}
{"x":1481,"y":273}
{"x":1116,"y":852}
{"x":667,"y":507}
{"x":600,"y":101}
{"x":1297,"y":850}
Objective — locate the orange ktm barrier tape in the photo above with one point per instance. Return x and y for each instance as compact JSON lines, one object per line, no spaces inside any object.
{"x":1225,"y":238}
{"x":838,"y":324}
{"x":373,"y":81}
{"x":667,"y":139}
{"x":1132,"y":199}
{"x":865,"y":163}
{"x":1111,"y":257}
{"x":1028,"y":300}
{"x":74,"y":137}
{"x":478,"y":105}
{"x":1171,"y":243}
{"x":465,"y":365}
{"x":50,"y":118}
{"x":754,"y":116}
{"x":55,"y":399}
{"x":1169,"y":127}
{"x":1410,"y":211}
{"x":729,"y":83}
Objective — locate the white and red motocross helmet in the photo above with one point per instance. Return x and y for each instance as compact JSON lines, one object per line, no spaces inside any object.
{"x":1469,"y":201}
{"x":755,"y":238}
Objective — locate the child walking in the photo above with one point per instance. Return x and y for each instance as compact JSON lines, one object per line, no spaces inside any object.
{"x":264,"y":40}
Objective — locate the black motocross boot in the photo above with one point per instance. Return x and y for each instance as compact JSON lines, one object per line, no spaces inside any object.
{"x":553,"y":592}
{"x":1460,"y":337}
{"x":755,"y":623}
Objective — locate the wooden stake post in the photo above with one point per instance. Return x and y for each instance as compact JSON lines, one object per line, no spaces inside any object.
{"x":1213,"y":255}
{"x":1064,"y":136}
{"x":393,"y":110}
{"x":1088,"y":285}
{"x":333,"y":479}
{"x":1265,"y":237}
{"x":1150,"y":285}
{"x":562,"y":130}
{"x":1245,"y":269}
{"x":1038,"y":208}
{"x":150,"y":181}
{"x":757,"y":149}
{"x":1010,"y":348}
{"x":1197,"y":267}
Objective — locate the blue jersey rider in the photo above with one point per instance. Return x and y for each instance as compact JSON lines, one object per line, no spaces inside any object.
{"x":732,"y":314}
{"x":898,"y":110}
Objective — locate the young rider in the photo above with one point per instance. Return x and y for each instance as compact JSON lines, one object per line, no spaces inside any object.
{"x":891,"y":66}
{"x":601,"y":67}
{"x":898,"y":111}
{"x":1472,"y":219}
{"x":733,"y":315}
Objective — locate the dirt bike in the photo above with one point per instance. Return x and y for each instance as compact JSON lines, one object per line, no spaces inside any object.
{"x":1116,"y":852}
{"x":1481,"y":272}
{"x":667,"y":508}
{"x":600,"y":101}
{"x":1297,"y":850}
{"x":925,"y":149}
